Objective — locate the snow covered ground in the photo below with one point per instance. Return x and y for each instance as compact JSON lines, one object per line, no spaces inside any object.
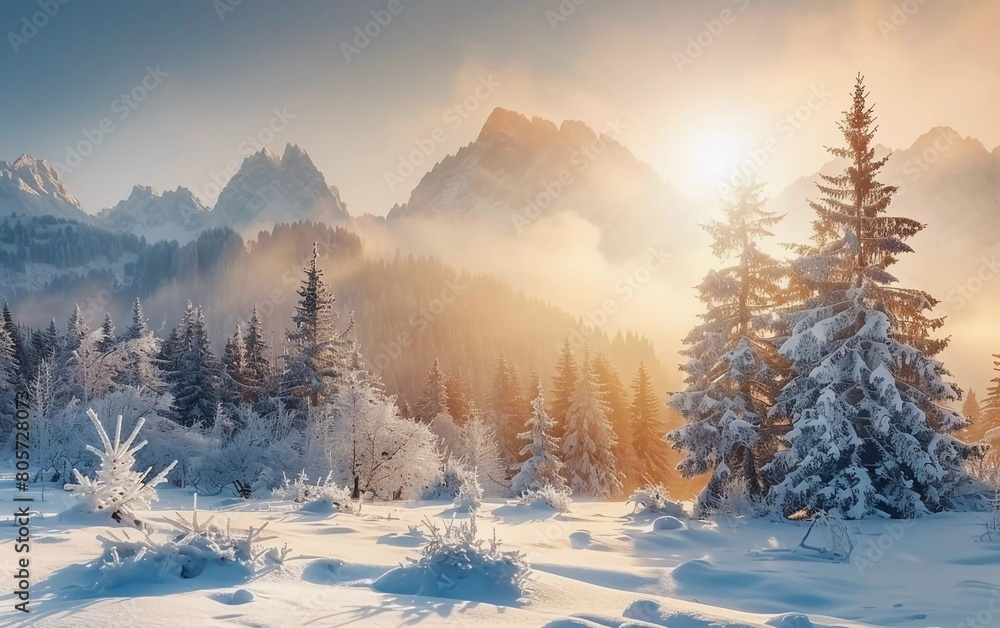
{"x":594,"y":566}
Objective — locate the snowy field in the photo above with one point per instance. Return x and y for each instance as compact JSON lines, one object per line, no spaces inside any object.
{"x":596,"y":565}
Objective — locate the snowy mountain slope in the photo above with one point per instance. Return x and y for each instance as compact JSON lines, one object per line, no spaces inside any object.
{"x":268,"y":189}
{"x":174,"y":215}
{"x":32,"y":187}
{"x":520,"y":170}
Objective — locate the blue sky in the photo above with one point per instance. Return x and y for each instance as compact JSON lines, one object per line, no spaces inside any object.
{"x":227,"y":72}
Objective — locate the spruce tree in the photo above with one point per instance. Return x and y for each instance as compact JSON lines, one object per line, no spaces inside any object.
{"x":991,"y":405}
{"x":108,"y":339}
{"x":869,"y":427}
{"x":648,"y":433}
{"x":541,"y":466}
{"x":563,"y":386}
{"x":138,"y":327}
{"x":234,"y":388}
{"x":619,"y":414}
{"x":258,"y":370}
{"x":8,"y":380}
{"x":457,"y":391}
{"x":313,"y":363}
{"x":589,"y":463}
{"x":195,"y":383}
{"x":434,"y":400}
{"x":507,"y":407}
{"x":734,"y":371}
{"x":970,"y":407}
{"x":19,"y":348}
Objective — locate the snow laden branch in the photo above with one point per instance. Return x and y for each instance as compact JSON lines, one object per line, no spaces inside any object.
{"x":118,"y":488}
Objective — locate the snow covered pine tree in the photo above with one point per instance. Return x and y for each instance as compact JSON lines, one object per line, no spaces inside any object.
{"x":868,"y":432}
{"x":734,"y":371}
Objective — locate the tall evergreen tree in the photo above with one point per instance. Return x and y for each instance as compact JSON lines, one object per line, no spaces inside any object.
{"x":541,"y":466}
{"x":20,"y":351}
{"x":563,"y":386}
{"x":138,"y":327}
{"x":970,"y":407}
{"x":619,"y":414}
{"x":312,"y":364}
{"x":868,"y":426}
{"x":258,"y":367}
{"x":108,"y":339}
{"x":195,"y":383}
{"x":589,"y":463}
{"x":648,"y":433}
{"x":8,"y":380}
{"x":459,"y":404}
{"x":507,"y":406}
{"x":734,"y":371}
{"x":234,"y":389}
{"x":434,"y":401}
{"x":991,"y":405}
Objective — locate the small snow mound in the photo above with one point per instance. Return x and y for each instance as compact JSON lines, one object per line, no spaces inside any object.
{"x":572,"y":622}
{"x":664,"y":524}
{"x":241,"y":596}
{"x":651,"y":612}
{"x":656,"y":500}
{"x":790,"y":620}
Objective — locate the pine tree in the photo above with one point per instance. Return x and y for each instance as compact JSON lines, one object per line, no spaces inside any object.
{"x":195,"y":382}
{"x":434,"y":401}
{"x":312,"y":365}
{"x":868,"y":424}
{"x":563,"y":386}
{"x":138,"y":328}
{"x":108,"y":340}
{"x":8,"y":380}
{"x":542,"y":465}
{"x":507,"y":407}
{"x":734,"y":372}
{"x":18,"y":345}
{"x":971,"y":409}
{"x":613,"y":393}
{"x":234,"y":389}
{"x":589,"y":464}
{"x":648,"y":433}
{"x":991,"y":405}
{"x":459,"y":405}
{"x":258,"y":367}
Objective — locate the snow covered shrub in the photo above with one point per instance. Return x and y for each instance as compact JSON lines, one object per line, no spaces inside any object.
{"x":448,"y":484}
{"x":326,"y":490}
{"x":655,"y":499}
{"x":254,"y":455}
{"x":470,"y":494}
{"x":118,"y":489}
{"x":556,"y":498}
{"x":194,"y":548}
{"x":455,"y":564}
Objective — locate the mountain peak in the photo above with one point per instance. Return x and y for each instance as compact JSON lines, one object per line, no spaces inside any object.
{"x":31,"y":186}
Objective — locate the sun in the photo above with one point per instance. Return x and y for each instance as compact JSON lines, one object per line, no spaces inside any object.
{"x":716,"y":155}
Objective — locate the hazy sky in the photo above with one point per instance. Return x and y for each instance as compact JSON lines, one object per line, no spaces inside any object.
{"x":229,"y":64}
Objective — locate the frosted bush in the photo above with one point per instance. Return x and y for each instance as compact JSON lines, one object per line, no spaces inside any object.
{"x":118,"y":489}
{"x":191,"y":550}
{"x":655,"y":499}
{"x":456,"y":564}
{"x":556,"y":498}
{"x":449,"y":483}
{"x":470,"y":494}
{"x":326,"y":490}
